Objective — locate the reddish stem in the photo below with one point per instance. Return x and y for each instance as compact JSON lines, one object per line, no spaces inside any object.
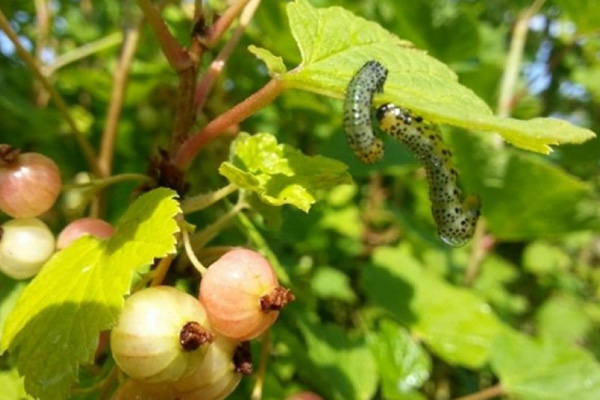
{"x":222,"y":24}
{"x":238,"y":113}
{"x":176,"y":55}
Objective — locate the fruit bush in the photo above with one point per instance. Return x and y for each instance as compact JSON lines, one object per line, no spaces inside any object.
{"x":181,"y":216}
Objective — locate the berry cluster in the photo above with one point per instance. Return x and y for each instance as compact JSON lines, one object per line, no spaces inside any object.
{"x":174,"y":346}
{"x":29,"y":186}
{"x":170,"y":344}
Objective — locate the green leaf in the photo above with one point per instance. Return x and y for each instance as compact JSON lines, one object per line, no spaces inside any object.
{"x":544,"y":369}
{"x":453,"y":322}
{"x":542,"y":258}
{"x":280,"y":174}
{"x":79,"y":293}
{"x":343,"y":367}
{"x":523,"y":195}
{"x":585,"y":14}
{"x":10,"y":290}
{"x":555,"y":311}
{"x":274,"y":64}
{"x":330,"y":283}
{"x":12,"y":386}
{"x":403,"y":365}
{"x":335,"y":43}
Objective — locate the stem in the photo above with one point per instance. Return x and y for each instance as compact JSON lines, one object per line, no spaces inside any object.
{"x":238,"y":113}
{"x":478,"y":253}
{"x":112,"y":376}
{"x":505,"y":104}
{"x":218,"y":64}
{"x":190,"y":252}
{"x":202,"y":201}
{"x":513,"y":61}
{"x":489,"y":393}
{"x":222,"y":24}
{"x":203,"y":237}
{"x":43,"y":16}
{"x":60,"y":103}
{"x":262,"y":368}
{"x":83,"y":51}
{"x":99,"y":184}
{"x":113,"y":115}
{"x":177,"y":57}
{"x":161,"y":270}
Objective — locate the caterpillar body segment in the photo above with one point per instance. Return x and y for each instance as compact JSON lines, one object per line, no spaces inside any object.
{"x":369,"y":80}
{"x":455,"y":218}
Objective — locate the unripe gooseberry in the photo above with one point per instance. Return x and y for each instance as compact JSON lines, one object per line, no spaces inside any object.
{"x":241,"y":294}
{"x":25,"y":245}
{"x":217,"y":375}
{"x":161,"y":335}
{"x":29,"y":183}
{"x":84,"y":226}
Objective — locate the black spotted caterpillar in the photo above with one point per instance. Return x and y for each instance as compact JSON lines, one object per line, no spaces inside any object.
{"x":357,"y":111}
{"x":455,"y":218}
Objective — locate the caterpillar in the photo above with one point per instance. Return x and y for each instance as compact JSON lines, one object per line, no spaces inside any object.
{"x":455,"y":218}
{"x":357,"y":111}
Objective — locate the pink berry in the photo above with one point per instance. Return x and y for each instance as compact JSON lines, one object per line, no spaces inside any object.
{"x":84,"y":226}
{"x":241,"y":294}
{"x":29,"y":183}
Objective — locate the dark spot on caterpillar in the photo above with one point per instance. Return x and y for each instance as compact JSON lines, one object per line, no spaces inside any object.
{"x":455,"y":218}
{"x":357,"y":111}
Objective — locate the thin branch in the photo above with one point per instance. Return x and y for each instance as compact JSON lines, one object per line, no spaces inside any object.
{"x":161,"y":270}
{"x":202,"y":238}
{"x":43,"y":17}
{"x":489,"y":393}
{"x":176,"y":55}
{"x":114,"y":39}
{"x":60,"y":103}
{"x":98,"y":184}
{"x":190,"y":252}
{"x":479,"y":249}
{"x":238,"y":113}
{"x":202,"y":201}
{"x":262,"y":367}
{"x":513,"y":61}
{"x":222,"y":24}
{"x":113,"y":115}
{"x":218,"y":64}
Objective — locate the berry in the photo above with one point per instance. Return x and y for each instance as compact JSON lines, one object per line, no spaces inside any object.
{"x":84,"y":226}
{"x":161,"y":335}
{"x":25,"y":245}
{"x":241,"y":294}
{"x":216,"y":376}
{"x":29,"y":183}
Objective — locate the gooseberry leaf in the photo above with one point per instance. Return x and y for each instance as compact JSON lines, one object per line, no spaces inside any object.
{"x":79,"y":292}
{"x":280,"y":174}
{"x":457,"y":325}
{"x":274,"y":64}
{"x":334,"y":44}
{"x":402,"y":363}
{"x":341,"y":366}
{"x":545,"y":369}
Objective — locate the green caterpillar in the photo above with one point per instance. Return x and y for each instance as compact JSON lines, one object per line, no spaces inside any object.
{"x":455,"y":218}
{"x":357,"y":111}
